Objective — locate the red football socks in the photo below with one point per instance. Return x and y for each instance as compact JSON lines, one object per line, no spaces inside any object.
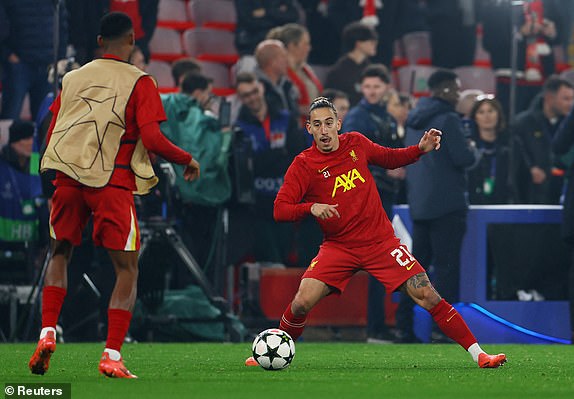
{"x":52,"y":300}
{"x":452,"y":324}
{"x":292,"y":325}
{"x":118,"y":325}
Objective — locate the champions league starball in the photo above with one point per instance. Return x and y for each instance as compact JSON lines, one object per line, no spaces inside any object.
{"x":273,"y":349}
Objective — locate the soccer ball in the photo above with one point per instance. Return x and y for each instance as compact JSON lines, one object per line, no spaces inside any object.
{"x":273,"y":349}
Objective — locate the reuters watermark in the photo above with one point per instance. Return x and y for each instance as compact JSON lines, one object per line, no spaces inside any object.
{"x":20,"y":390}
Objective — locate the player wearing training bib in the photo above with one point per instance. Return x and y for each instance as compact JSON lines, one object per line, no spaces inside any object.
{"x":104,"y":122}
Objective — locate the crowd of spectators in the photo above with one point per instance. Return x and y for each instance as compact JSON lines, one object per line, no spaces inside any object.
{"x":510,"y":155}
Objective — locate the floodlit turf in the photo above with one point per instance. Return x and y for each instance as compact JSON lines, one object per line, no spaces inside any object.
{"x":319,"y":370}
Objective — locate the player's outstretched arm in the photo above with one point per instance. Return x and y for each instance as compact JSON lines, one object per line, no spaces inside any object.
{"x":324,"y":211}
{"x":430,"y":140}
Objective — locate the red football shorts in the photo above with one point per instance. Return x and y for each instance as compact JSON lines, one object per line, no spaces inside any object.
{"x":113,"y":211}
{"x":389,"y":262}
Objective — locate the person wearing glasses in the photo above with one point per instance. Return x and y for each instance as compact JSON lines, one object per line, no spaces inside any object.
{"x":272,"y":137}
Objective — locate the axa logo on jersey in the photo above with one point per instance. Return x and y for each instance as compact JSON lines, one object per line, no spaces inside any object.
{"x":346,"y":181}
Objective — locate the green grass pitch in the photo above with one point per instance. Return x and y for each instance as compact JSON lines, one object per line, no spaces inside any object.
{"x":319,"y":370}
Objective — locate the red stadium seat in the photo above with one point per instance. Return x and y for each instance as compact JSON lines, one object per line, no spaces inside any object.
{"x":173,"y":14}
{"x":215,"y":14}
{"x":473,"y":77}
{"x":216,"y":71}
{"x":417,"y":47}
{"x":161,"y":71}
{"x":210,"y":45}
{"x":166,"y":45}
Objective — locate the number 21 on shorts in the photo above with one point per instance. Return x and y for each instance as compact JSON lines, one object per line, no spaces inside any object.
{"x":403,"y":257}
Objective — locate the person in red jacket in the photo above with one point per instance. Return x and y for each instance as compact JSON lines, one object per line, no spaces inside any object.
{"x":331,"y":181}
{"x":104,"y":121}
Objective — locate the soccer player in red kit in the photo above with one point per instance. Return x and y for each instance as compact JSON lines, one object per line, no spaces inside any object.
{"x":332,"y":182}
{"x":104,"y":122}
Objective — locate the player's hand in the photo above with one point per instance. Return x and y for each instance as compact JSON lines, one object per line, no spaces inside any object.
{"x":324,"y":211}
{"x":430,"y":140}
{"x":191,"y":171}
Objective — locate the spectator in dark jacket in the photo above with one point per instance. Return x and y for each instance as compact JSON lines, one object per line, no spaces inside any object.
{"x":386,"y":21}
{"x":359,"y":44}
{"x":370,"y":117}
{"x":256,"y":17}
{"x":541,"y":174}
{"x":27,"y":52}
{"x":437,"y":191}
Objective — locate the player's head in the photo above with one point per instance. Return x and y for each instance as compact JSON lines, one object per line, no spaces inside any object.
{"x":116,"y":28}
{"x":445,"y":84}
{"x":324,"y":124}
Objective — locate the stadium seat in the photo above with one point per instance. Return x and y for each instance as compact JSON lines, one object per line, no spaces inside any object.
{"x":215,"y":14}
{"x":213,"y":45}
{"x":417,"y":47}
{"x":321,"y":71}
{"x":473,"y":77}
{"x":165,"y":45}
{"x":161,"y":71}
{"x":173,"y":14}
{"x":413,"y":79}
{"x":217,"y":71}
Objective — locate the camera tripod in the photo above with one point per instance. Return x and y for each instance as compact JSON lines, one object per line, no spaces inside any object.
{"x":154,"y":276}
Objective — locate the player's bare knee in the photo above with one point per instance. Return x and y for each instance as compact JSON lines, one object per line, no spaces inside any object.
{"x":300,"y":306}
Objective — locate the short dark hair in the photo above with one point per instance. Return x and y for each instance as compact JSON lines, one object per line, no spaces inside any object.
{"x":357,"y":32}
{"x":115,"y":25}
{"x":440,"y":77}
{"x":376,"y":71}
{"x":321,"y":102}
{"x":554,"y":82}
{"x":182,"y":66}
{"x":194,"y":81}
{"x":332,"y":94}
{"x":245,"y":77}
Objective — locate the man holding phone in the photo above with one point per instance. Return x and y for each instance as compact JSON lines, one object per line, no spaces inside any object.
{"x":192,"y":125}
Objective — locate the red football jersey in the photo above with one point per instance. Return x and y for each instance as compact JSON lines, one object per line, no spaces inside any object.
{"x":144,"y":112}
{"x":342,"y":177}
